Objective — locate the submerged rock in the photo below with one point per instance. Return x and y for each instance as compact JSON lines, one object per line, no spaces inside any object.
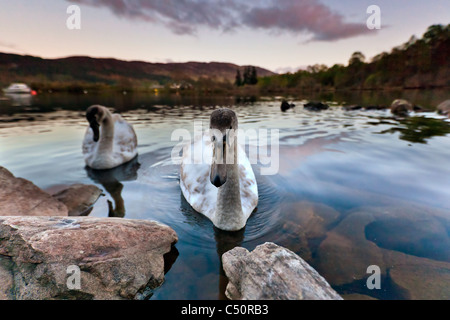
{"x":20,"y":197}
{"x":345,"y":253}
{"x":303,"y":222}
{"x":118,"y":258}
{"x":408,"y":243}
{"x":444,"y":108}
{"x":79,"y":198}
{"x":316,"y":106}
{"x":426,"y":237}
{"x":421,"y":279}
{"x":401,"y":107}
{"x":271,"y":272}
{"x":314,"y":218}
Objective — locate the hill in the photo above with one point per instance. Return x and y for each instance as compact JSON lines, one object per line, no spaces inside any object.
{"x":416,"y":64}
{"x":82,"y":71}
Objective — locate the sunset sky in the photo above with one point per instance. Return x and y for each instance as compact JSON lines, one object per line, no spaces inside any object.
{"x":280,"y":35}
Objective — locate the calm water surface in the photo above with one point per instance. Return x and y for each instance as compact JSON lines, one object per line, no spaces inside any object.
{"x":354,"y":188}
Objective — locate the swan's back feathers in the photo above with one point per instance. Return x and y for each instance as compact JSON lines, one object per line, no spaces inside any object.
{"x":197,"y":188}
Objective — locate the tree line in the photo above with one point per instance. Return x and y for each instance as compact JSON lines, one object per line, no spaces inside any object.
{"x":418,"y":63}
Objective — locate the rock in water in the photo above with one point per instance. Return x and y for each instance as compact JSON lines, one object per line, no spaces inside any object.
{"x":20,"y":197}
{"x":271,"y":272}
{"x":118,"y":258}
{"x":316,"y":106}
{"x":286,"y":106}
{"x":444,"y":108}
{"x":79,"y":198}
{"x":401,"y":107}
{"x":305,"y":221}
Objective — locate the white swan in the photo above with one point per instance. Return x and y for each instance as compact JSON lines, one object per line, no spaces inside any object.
{"x":224,"y":191}
{"x":114,"y":144}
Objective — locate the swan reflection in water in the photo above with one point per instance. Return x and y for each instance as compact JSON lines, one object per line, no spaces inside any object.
{"x":226,"y":241}
{"x":111,"y":182}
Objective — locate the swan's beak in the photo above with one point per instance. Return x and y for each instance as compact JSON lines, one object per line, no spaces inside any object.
{"x":218,"y":174}
{"x":95,"y":129}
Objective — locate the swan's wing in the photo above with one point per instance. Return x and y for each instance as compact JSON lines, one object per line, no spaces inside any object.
{"x":125,"y":140}
{"x":194,"y":177}
{"x":247,"y":183}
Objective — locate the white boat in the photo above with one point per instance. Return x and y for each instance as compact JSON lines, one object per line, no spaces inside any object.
{"x":17,"y":88}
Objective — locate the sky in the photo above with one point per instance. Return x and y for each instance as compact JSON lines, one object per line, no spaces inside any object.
{"x":279,"y":35}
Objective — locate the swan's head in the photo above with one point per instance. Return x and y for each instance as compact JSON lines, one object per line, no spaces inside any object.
{"x":96,"y":115}
{"x":223,"y":125}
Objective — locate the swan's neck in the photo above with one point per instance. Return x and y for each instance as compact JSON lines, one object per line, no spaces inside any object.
{"x":229,"y":215}
{"x":105,"y":144}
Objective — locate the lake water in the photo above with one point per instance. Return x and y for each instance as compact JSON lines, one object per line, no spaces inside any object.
{"x":353,"y":189}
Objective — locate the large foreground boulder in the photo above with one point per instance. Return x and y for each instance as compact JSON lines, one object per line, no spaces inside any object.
{"x":20,"y":197}
{"x":118,"y":258}
{"x":271,"y":272}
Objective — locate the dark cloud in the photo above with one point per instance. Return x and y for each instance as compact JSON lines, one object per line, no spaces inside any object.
{"x":185,"y":16}
{"x":181,"y":16}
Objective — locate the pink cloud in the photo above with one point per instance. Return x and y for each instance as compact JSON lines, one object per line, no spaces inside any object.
{"x":304,"y":16}
{"x":186,"y":16}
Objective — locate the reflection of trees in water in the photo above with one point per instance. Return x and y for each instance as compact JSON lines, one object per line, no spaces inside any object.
{"x":111,"y":181}
{"x":419,"y":129}
{"x":245,"y":99}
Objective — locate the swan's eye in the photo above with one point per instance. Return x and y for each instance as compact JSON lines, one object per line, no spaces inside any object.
{"x":213,"y":138}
